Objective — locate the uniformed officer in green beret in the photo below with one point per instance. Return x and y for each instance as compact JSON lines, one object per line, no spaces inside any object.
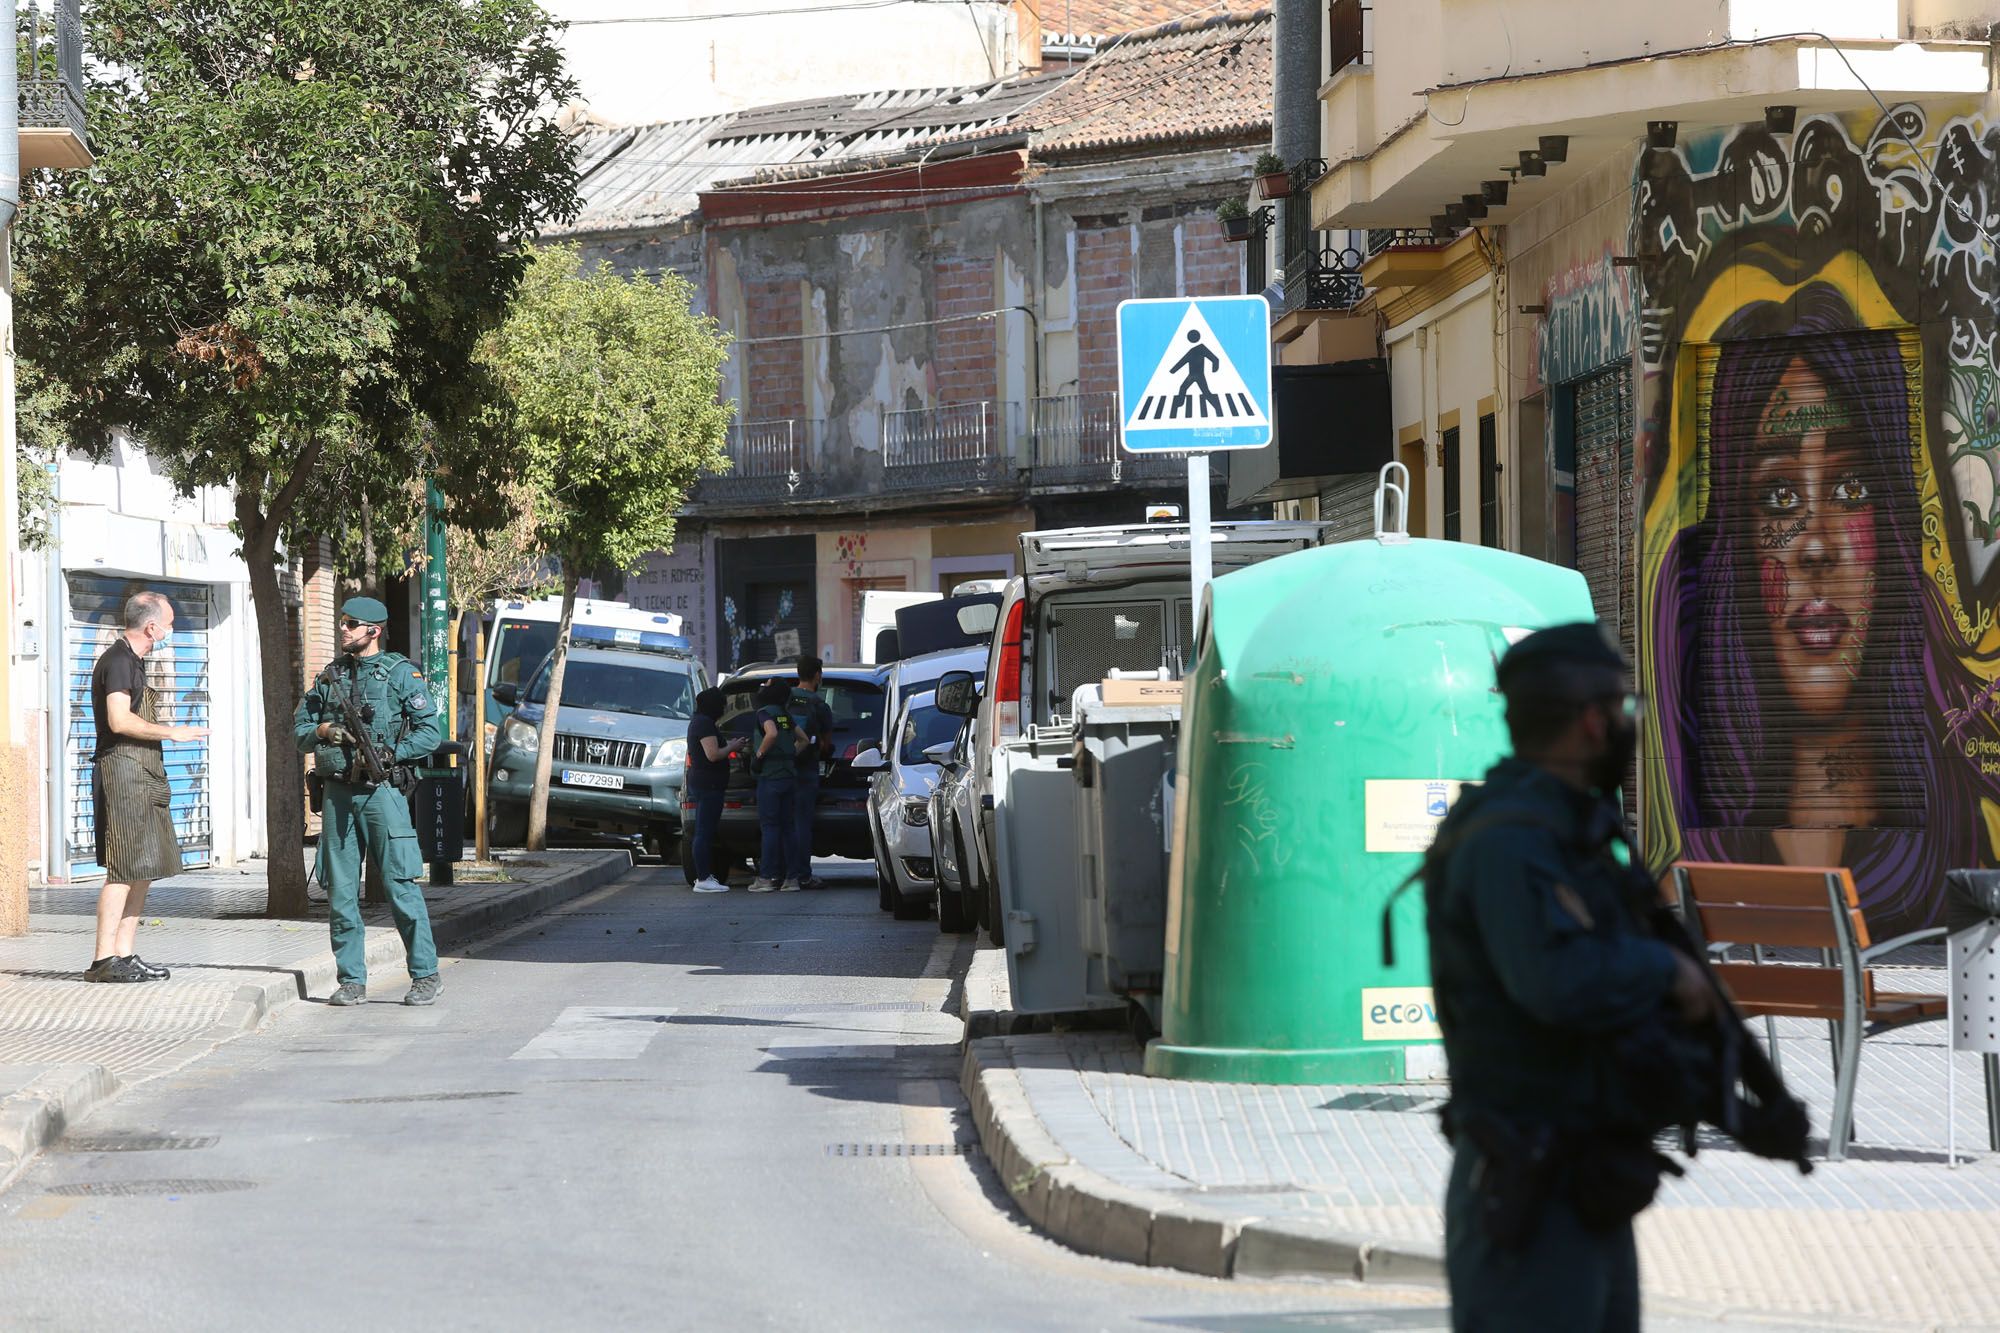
{"x":364,"y":817}
{"x":1541,"y":961}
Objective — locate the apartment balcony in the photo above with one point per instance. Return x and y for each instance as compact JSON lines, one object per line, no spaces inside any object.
{"x":1074,"y":445}
{"x":1405,"y":256}
{"x":952,"y":445}
{"x":770,"y":463}
{"x":52,"y":126}
{"x":1536,"y":95}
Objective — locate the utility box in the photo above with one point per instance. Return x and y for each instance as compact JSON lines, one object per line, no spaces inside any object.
{"x":1125,"y":756}
{"x":1340,"y":700}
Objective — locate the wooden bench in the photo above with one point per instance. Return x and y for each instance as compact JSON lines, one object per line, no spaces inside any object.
{"x":1801,"y":907}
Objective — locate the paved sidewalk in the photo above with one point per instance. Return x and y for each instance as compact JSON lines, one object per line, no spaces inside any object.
{"x":65,"y":1045}
{"x":1247,"y":1179}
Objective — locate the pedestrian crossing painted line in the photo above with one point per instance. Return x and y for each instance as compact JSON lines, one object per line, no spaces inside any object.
{"x":596,"y":1032}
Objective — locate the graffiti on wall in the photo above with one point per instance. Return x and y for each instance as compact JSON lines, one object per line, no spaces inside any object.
{"x":676,"y":582}
{"x":1587,"y":319}
{"x":1819,"y":439}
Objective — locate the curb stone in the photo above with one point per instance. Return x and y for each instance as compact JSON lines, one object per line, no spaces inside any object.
{"x":1087,"y":1211}
{"x":40,"y":1113}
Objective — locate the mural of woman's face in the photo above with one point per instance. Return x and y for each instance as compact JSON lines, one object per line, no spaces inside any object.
{"x":1813,"y":505}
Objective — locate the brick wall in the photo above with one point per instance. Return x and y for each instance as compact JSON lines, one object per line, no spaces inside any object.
{"x":967,"y":366}
{"x":315,"y":639}
{"x":1103,"y":279}
{"x":774,"y":381}
{"x":1210,"y":264}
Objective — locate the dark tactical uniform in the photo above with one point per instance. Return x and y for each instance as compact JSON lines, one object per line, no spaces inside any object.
{"x":1538,"y":959}
{"x":359,"y":819}
{"x":811,"y":715}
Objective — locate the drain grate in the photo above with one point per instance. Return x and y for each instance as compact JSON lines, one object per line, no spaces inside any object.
{"x":881,"y":1007}
{"x":136,"y":1142}
{"x":419,"y":1097}
{"x":123,"y":1188}
{"x":901,"y":1149}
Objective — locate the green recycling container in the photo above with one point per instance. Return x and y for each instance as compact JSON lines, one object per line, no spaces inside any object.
{"x":1341,"y":697}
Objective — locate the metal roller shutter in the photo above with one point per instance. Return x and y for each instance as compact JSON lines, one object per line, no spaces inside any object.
{"x":1876,"y":711}
{"x":1604,"y":484}
{"x":179,"y":672}
{"x":1349,"y":505}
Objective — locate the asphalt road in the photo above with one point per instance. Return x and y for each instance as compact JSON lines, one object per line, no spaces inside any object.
{"x":650,"y":1110}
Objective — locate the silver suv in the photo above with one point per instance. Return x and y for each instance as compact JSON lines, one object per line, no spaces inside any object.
{"x":620,"y":745}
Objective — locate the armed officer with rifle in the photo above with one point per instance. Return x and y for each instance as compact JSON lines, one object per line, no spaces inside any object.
{"x":1579,"y":1020}
{"x":365,"y":721}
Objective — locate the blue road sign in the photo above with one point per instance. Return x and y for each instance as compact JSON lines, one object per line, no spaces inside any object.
{"x":1194,"y":373}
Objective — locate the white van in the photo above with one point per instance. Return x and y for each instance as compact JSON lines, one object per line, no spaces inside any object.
{"x":1091,"y":601}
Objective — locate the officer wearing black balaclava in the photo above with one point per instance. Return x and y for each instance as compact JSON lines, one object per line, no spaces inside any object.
{"x":1540,"y":960}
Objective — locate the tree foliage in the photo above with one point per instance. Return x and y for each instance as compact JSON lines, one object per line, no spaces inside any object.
{"x":303,"y":217}
{"x":610,"y":401}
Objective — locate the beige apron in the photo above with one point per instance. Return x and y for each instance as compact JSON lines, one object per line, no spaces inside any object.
{"x":135,"y":824}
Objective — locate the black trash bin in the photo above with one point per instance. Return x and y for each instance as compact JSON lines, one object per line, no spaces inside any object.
{"x":440,"y":811}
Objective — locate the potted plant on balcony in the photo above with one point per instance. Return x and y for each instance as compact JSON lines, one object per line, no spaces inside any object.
{"x":1234,"y":215}
{"x":1273,"y":181}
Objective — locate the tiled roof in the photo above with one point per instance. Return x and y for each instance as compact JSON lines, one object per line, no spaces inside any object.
{"x":1192,"y":81}
{"x":1102,"y":19}
{"x":648,"y":175}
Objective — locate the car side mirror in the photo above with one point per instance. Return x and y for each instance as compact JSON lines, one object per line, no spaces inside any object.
{"x":507,"y":694}
{"x":941,"y":752}
{"x":868,"y":760}
{"x":958,"y":694}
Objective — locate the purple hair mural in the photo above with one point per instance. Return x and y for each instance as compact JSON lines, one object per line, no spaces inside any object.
{"x":1817,"y":561}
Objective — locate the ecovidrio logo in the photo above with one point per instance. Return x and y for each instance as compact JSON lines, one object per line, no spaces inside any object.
{"x":1399,"y":1013}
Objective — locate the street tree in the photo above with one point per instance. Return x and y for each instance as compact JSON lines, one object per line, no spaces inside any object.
{"x":303,"y":216}
{"x":482,"y":564}
{"x":611,"y":400}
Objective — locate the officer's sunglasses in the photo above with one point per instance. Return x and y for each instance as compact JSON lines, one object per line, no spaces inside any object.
{"x":1633,"y":706}
{"x":351,"y":623}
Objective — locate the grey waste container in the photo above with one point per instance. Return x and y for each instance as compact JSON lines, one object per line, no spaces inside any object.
{"x":1972,"y":950}
{"x":1125,"y":757}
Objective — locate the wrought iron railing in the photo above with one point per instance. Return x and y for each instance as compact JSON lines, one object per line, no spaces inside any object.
{"x":950,"y":444}
{"x":1415,"y":238}
{"x":769,"y":461}
{"x":1318,"y":275}
{"x":1073,"y":441}
{"x":51,"y":37}
{"x":1347,"y":32}
{"x":1257,"y":251}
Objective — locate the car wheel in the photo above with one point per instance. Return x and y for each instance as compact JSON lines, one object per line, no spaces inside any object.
{"x":687,"y":857}
{"x":507,"y":825}
{"x":996,"y":919}
{"x":955,"y":912}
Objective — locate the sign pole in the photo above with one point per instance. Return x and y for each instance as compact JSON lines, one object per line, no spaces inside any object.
{"x":1201,"y":557}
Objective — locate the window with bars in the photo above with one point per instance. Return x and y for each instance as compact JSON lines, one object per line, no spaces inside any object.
{"x":1489,"y":481}
{"x":1454,"y":485}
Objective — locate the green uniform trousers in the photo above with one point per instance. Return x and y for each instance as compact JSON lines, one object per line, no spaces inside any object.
{"x":354,"y":822}
{"x":1566,"y":1279}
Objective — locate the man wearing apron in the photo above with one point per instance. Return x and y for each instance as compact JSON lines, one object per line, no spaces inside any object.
{"x":135,"y":827}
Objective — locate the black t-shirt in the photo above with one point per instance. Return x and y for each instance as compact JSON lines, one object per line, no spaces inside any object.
{"x":706,"y":774}
{"x":118,"y":671}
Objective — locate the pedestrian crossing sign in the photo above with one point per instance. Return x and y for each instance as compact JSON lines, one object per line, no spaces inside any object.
{"x":1194,"y":374}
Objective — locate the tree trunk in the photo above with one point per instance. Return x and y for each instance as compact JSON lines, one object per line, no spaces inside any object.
{"x":545,"y":747}
{"x":482,"y":847}
{"x":284,"y":776}
{"x":369,"y":584}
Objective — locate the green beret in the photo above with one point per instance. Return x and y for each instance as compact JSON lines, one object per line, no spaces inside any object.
{"x":1585,"y":643}
{"x":366,"y":609}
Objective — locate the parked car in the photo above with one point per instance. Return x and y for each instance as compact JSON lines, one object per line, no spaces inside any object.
{"x":1088,"y":601}
{"x":620,"y":744}
{"x":899,"y":806}
{"x":960,"y":903}
{"x":857,"y":696}
{"x":915,"y":674}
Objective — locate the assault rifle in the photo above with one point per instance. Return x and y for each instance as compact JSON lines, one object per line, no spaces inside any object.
{"x":373,"y":764}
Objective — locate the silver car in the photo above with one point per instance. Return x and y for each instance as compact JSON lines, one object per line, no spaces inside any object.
{"x":899,"y":804}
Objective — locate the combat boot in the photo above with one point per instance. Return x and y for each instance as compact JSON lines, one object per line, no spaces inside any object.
{"x":350,"y":992}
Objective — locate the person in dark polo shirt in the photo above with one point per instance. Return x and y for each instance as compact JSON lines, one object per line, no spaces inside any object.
{"x":135,"y":827}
